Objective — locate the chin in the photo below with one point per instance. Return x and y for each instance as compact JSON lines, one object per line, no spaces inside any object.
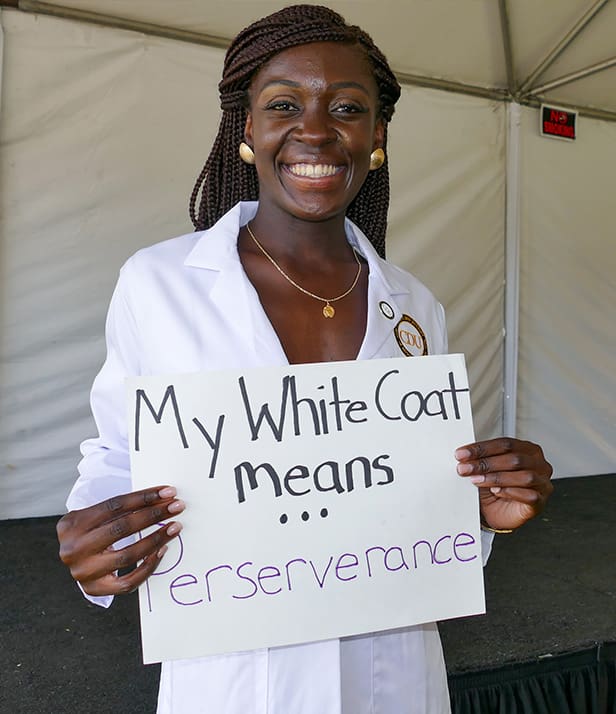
{"x":316,"y":211}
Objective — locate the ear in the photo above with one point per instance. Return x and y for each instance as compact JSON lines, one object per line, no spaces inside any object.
{"x":379,"y":134}
{"x":248,"y":130}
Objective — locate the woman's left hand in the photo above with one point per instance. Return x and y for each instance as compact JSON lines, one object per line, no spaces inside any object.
{"x":513,"y":479}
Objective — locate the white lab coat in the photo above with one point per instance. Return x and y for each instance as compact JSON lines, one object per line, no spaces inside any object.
{"x":186,"y":305}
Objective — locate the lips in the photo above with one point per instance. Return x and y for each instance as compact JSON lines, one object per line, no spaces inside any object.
{"x":313,"y":170}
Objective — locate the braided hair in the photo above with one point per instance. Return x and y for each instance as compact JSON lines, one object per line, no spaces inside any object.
{"x":225,"y":179}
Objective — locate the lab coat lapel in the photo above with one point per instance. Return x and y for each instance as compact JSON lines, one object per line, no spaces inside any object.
{"x":233,"y":293}
{"x":235,"y":296}
{"x":386,"y":295}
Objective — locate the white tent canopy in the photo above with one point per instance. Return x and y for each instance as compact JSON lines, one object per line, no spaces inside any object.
{"x":520,"y":49}
{"x":103,"y":130}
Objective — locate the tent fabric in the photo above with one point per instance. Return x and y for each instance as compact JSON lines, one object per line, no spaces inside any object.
{"x":102,"y":133}
{"x":102,"y":136}
{"x":446,"y":226}
{"x":567,"y":387}
{"x":457,"y":41}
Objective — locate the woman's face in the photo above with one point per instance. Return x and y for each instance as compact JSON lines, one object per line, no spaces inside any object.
{"x":313,"y":124}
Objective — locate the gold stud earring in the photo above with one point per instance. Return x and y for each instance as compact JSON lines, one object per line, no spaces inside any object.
{"x":377,"y":159}
{"x":246,"y":153}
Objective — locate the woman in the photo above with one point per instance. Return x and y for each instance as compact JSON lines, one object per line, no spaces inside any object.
{"x":306,"y":100}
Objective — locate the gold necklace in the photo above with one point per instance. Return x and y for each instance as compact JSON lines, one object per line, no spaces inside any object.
{"x":328,"y":310}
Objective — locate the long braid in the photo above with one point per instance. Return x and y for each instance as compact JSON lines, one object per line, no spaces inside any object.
{"x":369,"y":208}
{"x":226,"y":179}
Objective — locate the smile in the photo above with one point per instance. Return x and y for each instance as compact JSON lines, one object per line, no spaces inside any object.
{"x":313,"y":170}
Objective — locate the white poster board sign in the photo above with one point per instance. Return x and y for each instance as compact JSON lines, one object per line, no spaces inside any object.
{"x":322,"y":501}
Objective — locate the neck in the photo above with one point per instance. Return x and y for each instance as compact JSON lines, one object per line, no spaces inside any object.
{"x":296,"y":239}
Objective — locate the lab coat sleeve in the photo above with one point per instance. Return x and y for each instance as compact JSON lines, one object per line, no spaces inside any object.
{"x":104,"y":470}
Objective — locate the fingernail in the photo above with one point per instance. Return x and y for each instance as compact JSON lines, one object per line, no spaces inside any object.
{"x":174,"y":529}
{"x":496,"y":489}
{"x":478,"y":479}
{"x":167,"y":492}
{"x":463,"y":454}
{"x":465,"y":469}
{"x":162,"y":551}
{"x":176,"y":506}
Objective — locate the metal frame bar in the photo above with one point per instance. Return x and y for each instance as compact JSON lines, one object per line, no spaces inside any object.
{"x":573,"y":76}
{"x":562,"y":45}
{"x":1,"y":60}
{"x":590,"y":112}
{"x":448,"y":85}
{"x":507,"y":47}
{"x":146,"y":28}
{"x":512,"y":270}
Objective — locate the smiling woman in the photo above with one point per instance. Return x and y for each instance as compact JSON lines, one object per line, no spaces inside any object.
{"x":224,"y":180}
{"x":286,"y":267}
{"x":312,"y":123}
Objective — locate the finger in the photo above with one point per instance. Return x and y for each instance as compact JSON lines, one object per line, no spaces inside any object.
{"x":117,"y":506}
{"x":145,"y":547}
{"x":526,"y":496}
{"x":129,"y":524}
{"x":514,"y":479}
{"x":80,"y":521}
{"x":121,"y":585}
{"x":490,"y":447}
{"x":100,"y":565}
{"x":78,"y":544}
{"x":514,"y":461}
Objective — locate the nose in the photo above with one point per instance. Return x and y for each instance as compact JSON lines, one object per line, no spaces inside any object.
{"x":316,"y":125}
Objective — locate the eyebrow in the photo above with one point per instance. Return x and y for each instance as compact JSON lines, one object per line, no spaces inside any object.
{"x":335,"y":85}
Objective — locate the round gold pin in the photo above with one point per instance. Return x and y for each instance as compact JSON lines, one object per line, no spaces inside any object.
{"x":410,"y":337}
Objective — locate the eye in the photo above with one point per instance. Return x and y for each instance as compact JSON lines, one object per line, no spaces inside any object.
{"x":282,"y":105}
{"x":348,"y":108}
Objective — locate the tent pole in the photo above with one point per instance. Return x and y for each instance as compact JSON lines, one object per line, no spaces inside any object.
{"x":1,"y":58}
{"x":567,"y":78}
{"x":512,"y":268}
{"x":590,"y":112}
{"x":506,"y":33}
{"x":147,"y":28}
{"x":449,"y":85}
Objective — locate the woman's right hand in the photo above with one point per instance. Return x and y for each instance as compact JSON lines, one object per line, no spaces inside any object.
{"x":87,"y":537}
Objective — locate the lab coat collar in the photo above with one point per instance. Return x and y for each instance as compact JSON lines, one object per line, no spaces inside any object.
{"x":217,"y":246}
{"x":216,"y":249}
{"x":387,"y":294}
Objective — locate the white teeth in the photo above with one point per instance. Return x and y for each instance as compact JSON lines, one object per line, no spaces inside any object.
{"x":312,"y":170}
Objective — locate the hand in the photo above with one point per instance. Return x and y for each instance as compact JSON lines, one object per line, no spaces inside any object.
{"x":87,"y":536}
{"x":513,"y":479}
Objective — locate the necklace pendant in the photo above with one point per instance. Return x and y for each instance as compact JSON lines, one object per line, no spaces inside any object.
{"x":328,"y":311}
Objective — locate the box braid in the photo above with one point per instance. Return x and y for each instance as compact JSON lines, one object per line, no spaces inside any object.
{"x":226,"y":179}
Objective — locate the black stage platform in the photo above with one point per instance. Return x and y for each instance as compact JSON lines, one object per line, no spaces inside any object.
{"x":546,"y":646}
